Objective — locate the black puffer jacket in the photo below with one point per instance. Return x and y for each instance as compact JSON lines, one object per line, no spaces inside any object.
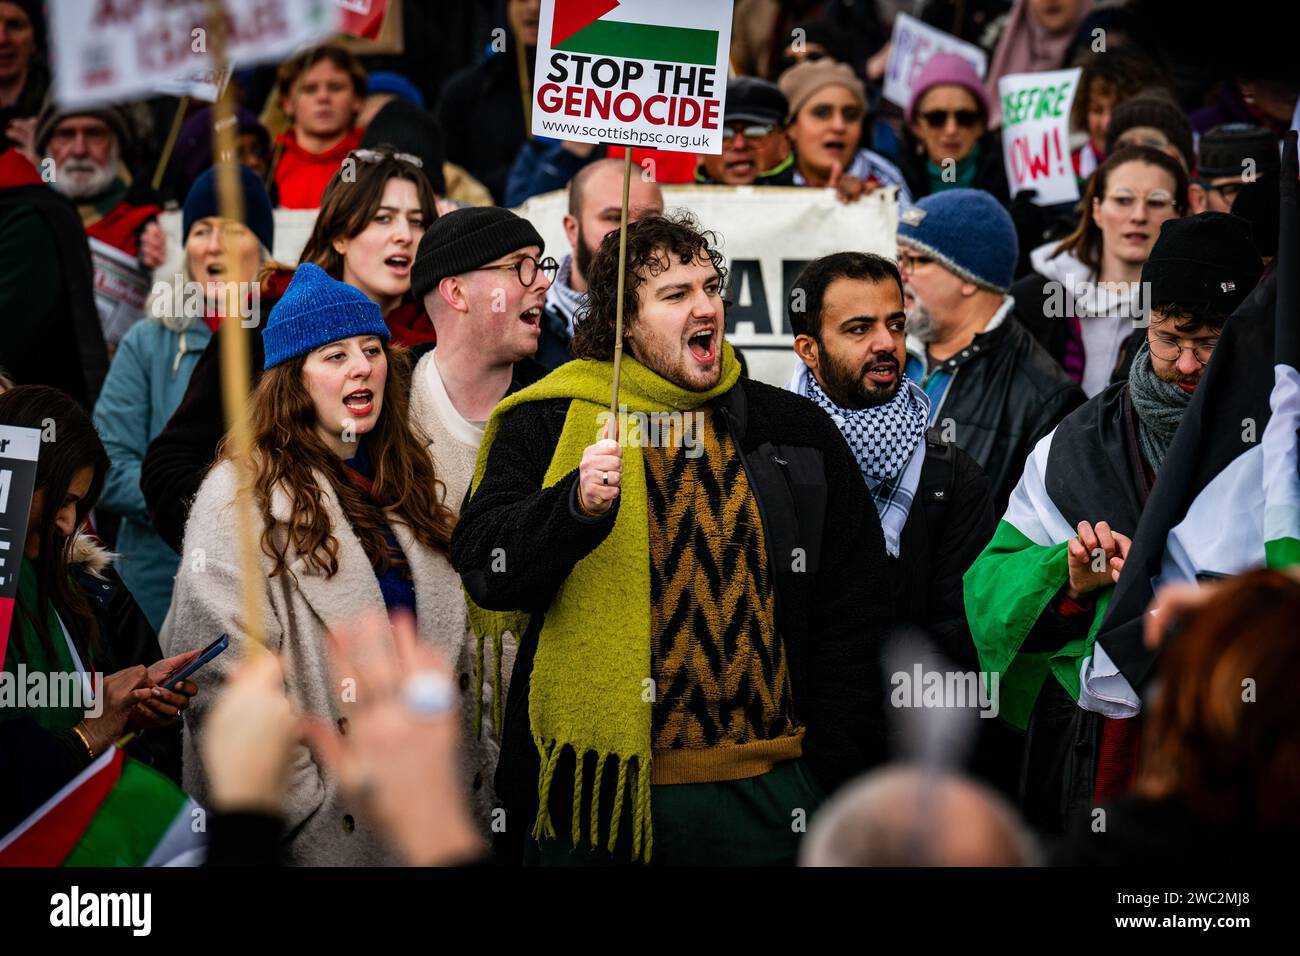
{"x":831,"y":613}
{"x":1006,"y":393}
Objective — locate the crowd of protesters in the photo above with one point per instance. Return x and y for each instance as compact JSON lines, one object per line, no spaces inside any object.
{"x":511,"y":627}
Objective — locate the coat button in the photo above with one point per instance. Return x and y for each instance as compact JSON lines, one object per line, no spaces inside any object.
{"x":349,"y":824}
{"x":478,"y":781}
{"x":343,"y":725}
{"x":464,"y":682}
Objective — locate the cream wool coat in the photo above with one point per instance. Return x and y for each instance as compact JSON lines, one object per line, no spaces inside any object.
{"x":299,"y":608}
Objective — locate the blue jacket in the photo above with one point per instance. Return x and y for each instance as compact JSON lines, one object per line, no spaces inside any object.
{"x":145,"y":383}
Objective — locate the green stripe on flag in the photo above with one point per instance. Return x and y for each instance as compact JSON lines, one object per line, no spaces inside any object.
{"x":131,"y":821}
{"x":645,"y":41}
{"x":1282,"y":553}
{"x":1006,"y":590}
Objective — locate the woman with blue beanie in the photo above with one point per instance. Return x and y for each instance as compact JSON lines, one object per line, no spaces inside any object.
{"x":152,"y":367}
{"x":350,"y":520}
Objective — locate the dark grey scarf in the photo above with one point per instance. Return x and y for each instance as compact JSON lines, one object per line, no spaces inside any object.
{"x":1159,"y":406}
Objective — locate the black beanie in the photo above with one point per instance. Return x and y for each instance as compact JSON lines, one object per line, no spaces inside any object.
{"x":1223,"y":150}
{"x":1204,"y":260}
{"x":1155,"y":109}
{"x":465,"y":239}
{"x":1258,"y":204}
{"x":409,"y":129}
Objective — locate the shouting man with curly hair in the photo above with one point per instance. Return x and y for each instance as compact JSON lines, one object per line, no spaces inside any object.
{"x":698,"y":585}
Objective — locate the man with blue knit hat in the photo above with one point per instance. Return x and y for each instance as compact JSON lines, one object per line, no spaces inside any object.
{"x":1036,"y":596}
{"x":993,"y":390}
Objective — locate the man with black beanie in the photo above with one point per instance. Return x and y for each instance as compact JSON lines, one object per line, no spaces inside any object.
{"x":482,"y":278}
{"x":1066,"y":533}
{"x":1228,"y":158}
{"x":483,"y":281}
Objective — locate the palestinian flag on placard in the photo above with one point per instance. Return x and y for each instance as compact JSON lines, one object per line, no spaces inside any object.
{"x":1088,"y":469}
{"x":116,"y":812}
{"x":1229,"y":496}
{"x":599,"y":28}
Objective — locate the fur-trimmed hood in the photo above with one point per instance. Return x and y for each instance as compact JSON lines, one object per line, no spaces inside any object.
{"x":87,"y":554}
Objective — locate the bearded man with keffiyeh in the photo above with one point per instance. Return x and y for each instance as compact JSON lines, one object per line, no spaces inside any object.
{"x":1036,"y":598}
{"x":699,"y":605}
{"x":933,"y":499}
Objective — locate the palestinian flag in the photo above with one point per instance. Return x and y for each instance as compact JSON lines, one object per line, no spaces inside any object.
{"x":1087,"y":469}
{"x":598,"y":28}
{"x":1229,"y":495}
{"x":116,"y":812}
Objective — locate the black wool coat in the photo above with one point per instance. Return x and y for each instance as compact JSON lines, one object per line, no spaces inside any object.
{"x":832,"y":613}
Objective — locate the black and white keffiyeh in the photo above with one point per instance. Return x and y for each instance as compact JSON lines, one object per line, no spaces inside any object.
{"x":884,"y":440}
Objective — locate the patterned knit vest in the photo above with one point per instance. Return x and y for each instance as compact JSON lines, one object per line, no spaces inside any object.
{"x":722,"y":708}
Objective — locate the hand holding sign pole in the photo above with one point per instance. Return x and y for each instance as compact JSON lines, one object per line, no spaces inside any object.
{"x":632,"y":72}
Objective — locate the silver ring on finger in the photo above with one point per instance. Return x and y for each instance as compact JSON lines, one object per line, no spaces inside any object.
{"x":429,"y":694}
{"x":604,"y":477}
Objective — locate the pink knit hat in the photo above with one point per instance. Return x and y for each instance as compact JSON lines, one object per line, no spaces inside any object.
{"x":943,"y":69}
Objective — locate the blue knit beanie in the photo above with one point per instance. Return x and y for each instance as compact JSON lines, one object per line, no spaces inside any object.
{"x":966,"y":230}
{"x":386,"y":81}
{"x":314,"y":311}
{"x":201,"y":202}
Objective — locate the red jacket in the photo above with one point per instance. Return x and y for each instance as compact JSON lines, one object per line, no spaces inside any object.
{"x":121,"y":227}
{"x":300,"y":176}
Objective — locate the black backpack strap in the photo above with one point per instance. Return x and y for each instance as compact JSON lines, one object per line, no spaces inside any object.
{"x":938,"y":481}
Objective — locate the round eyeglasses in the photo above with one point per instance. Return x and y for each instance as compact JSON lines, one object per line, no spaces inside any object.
{"x":527,"y":269}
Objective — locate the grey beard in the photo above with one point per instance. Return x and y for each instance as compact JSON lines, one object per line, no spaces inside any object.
{"x":920,"y":323}
{"x":83,"y":185}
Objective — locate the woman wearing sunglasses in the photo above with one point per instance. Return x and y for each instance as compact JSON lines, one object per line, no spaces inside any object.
{"x":828,"y":107}
{"x":1081,"y":300}
{"x":947,"y":143}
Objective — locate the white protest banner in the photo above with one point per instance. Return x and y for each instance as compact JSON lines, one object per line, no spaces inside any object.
{"x":121,"y":288}
{"x":633,"y":72}
{"x":1036,"y":133}
{"x":912,"y":44}
{"x":113,"y":50}
{"x":767,"y":234}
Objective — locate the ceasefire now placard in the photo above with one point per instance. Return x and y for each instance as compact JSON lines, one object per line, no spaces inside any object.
{"x":649,"y":73}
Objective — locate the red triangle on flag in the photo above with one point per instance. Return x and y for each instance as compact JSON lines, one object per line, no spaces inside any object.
{"x":47,"y":836}
{"x":574,"y":15}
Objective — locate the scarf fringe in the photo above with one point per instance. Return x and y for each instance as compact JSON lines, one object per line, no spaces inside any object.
{"x":498,"y":704}
{"x":642,"y":830}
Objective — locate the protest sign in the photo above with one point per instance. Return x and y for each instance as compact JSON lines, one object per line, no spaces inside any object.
{"x":19,"y":448}
{"x":106,"y":51}
{"x":121,"y":288}
{"x":1036,"y":133}
{"x":363,"y":18}
{"x":912,"y":44}
{"x":633,"y":73}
